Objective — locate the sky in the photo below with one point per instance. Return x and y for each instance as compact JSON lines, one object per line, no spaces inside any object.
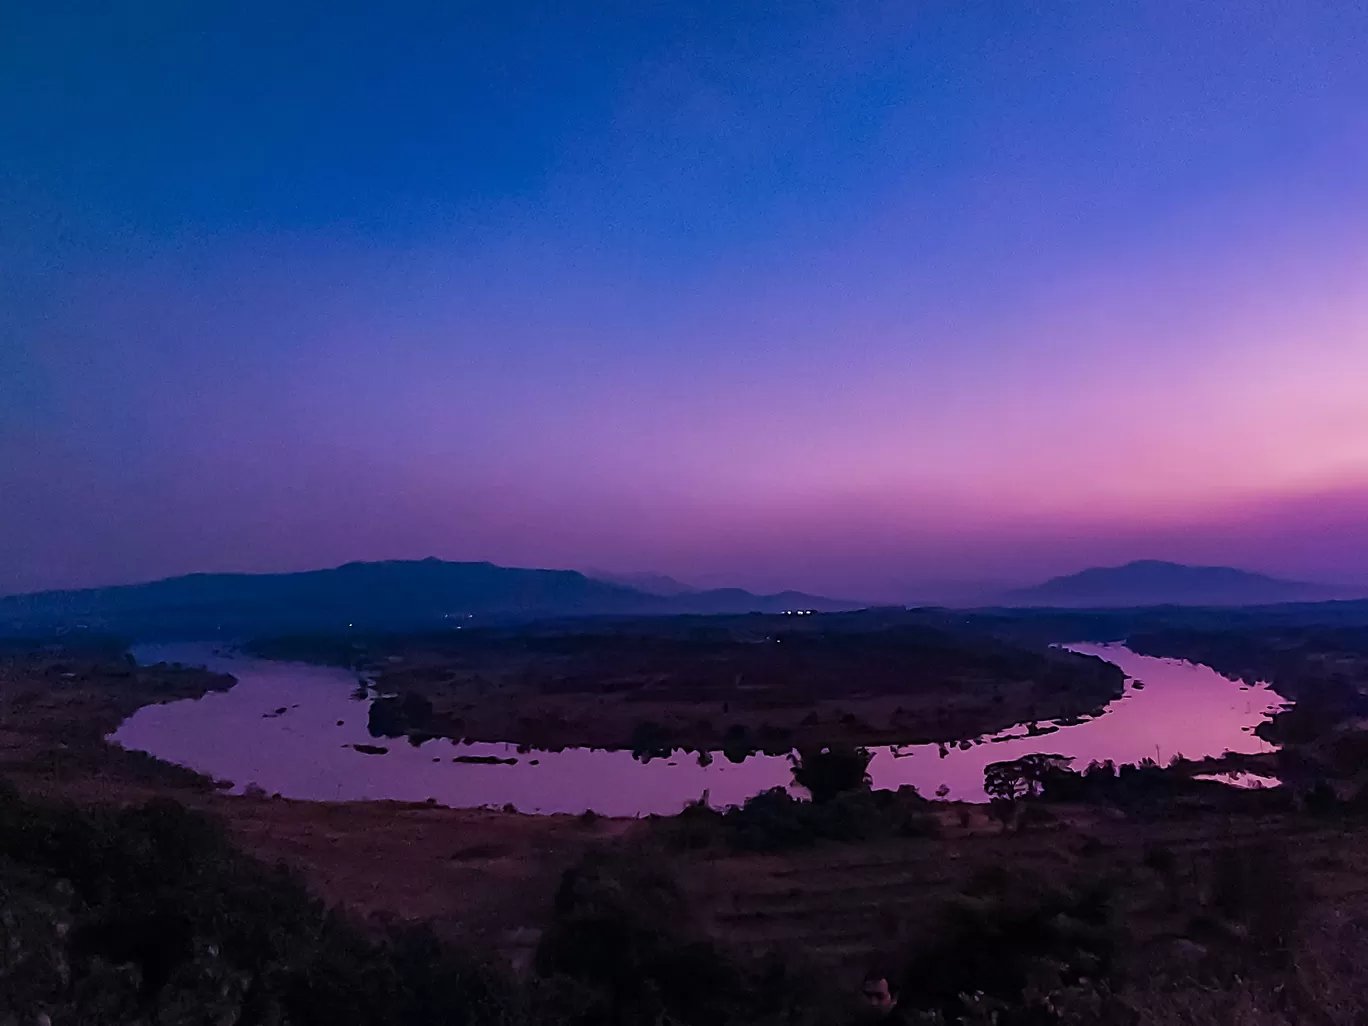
{"x":874,"y":299}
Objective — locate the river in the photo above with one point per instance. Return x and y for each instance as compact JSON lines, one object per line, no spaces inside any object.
{"x":291,"y":728}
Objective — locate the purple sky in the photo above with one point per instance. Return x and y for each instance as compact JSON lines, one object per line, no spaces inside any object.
{"x":863,"y":304}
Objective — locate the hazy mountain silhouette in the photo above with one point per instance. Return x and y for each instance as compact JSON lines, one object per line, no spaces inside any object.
{"x":1152,"y":583}
{"x":652,"y":584}
{"x":394,"y":595}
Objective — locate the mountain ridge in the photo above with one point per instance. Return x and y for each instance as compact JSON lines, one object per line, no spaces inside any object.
{"x":386,"y":595}
{"x":1151,"y":582}
{"x":651,"y":583}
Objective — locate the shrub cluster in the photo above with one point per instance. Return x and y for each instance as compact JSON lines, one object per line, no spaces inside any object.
{"x":624,"y":947}
{"x":775,"y":820}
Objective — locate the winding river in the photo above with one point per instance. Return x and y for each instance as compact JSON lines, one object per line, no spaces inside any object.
{"x":291,"y":729}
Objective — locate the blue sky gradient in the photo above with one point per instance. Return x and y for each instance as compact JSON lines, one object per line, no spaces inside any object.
{"x":862,"y":298}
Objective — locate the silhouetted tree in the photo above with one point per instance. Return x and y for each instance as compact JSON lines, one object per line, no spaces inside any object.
{"x":1006,"y":783}
{"x":827,"y":772}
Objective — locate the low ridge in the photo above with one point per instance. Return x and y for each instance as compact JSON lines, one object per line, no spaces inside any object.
{"x":1150,"y":582}
{"x":392,"y":595}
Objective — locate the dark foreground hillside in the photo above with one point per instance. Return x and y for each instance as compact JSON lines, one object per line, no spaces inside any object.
{"x":151,"y":914}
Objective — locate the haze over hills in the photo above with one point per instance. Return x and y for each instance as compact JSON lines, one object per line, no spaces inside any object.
{"x":1154,"y":582}
{"x":431,"y":593}
{"x":392,"y":595}
{"x":651,"y":583}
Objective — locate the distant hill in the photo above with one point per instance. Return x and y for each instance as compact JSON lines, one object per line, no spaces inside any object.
{"x":395,"y":595}
{"x":652,"y":584}
{"x":1154,"y":583}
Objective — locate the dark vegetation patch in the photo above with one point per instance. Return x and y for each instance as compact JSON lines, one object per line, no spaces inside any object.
{"x":1009,"y":940}
{"x":736,"y":684}
{"x":829,"y":771}
{"x":630,"y":943}
{"x":1015,"y":946}
{"x":775,"y":821}
{"x":151,"y":915}
{"x":842,"y":809}
{"x":1022,"y":791}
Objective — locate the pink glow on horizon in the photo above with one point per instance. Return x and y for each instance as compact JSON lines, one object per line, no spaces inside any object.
{"x":863,"y":301}
{"x":841,"y":442}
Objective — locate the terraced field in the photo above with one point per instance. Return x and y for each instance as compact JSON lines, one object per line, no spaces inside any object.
{"x":844,"y":907}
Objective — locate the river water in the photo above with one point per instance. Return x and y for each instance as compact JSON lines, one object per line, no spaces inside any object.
{"x":291,"y":728}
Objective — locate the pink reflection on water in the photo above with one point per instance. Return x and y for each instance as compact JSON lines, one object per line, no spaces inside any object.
{"x":304,"y":753}
{"x":1180,"y":709}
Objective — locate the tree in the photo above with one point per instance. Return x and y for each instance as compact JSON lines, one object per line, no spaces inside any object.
{"x":827,"y":772}
{"x":1024,"y":777}
{"x":1006,"y":783}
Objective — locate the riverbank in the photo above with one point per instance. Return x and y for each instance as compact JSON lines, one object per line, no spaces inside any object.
{"x":58,"y":705}
{"x":719,"y":684}
{"x":306,"y":732}
{"x":489,"y":879}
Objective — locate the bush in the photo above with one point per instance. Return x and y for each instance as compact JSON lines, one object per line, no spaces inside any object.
{"x":650,"y":740}
{"x":624,"y":933}
{"x":776,"y":821}
{"x":828,"y":772}
{"x":1009,"y":933}
{"x":409,"y":713}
